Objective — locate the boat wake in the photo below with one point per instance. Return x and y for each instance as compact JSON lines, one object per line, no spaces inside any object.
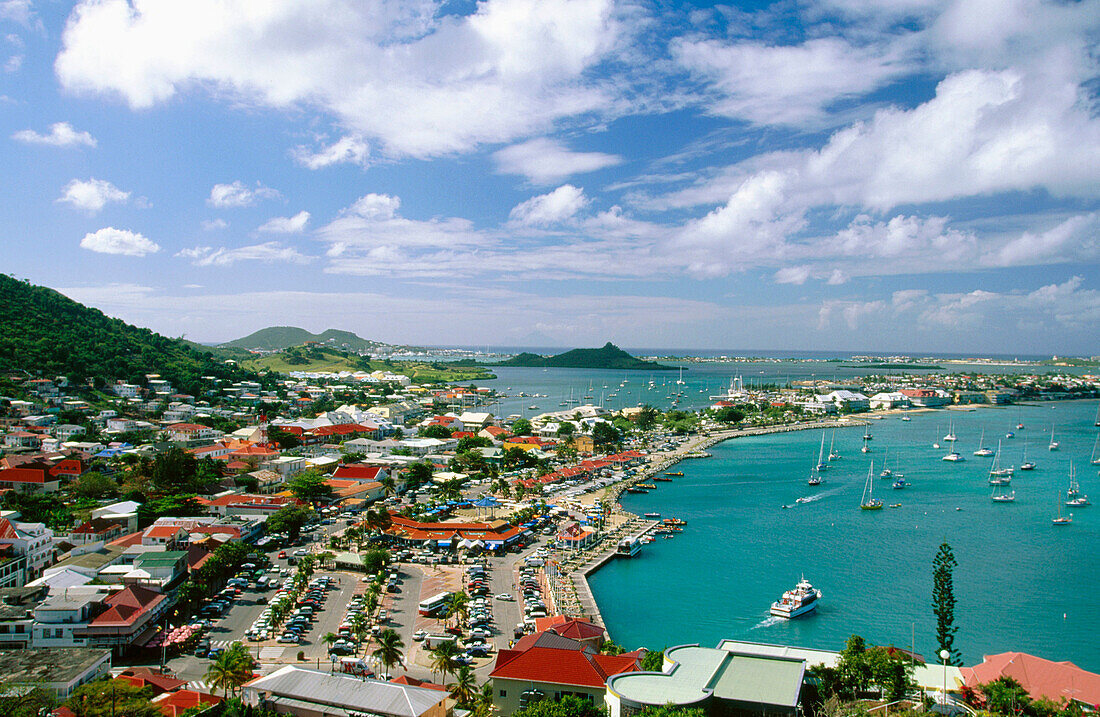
{"x":767,"y":622}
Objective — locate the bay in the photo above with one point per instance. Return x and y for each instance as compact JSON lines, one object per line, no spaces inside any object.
{"x":1021,"y":584}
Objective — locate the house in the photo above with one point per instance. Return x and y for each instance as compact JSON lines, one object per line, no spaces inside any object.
{"x":32,"y":541}
{"x":170,"y":536}
{"x":128,"y":613}
{"x":67,"y":431}
{"x":59,"y":670}
{"x":475,"y":420}
{"x":583,"y":444}
{"x":847,"y":400}
{"x":926,"y":397}
{"x":493,"y":433}
{"x":294,"y":690}
{"x":59,"y":616}
{"x":246,"y":504}
{"x":186,"y":432}
{"x":717,"y":681}
{"x":96,"y":530}
{"x":22,"y":439}
{"x":892,"y":399}
{"x":1041,"y":678}
{"x":32,"y":479}
{"x":573,"y":536}
{"x":359,"y":472}
{"x":548,"y":666}
{"x":17,"y":615}
{"x":578,"y":629}
{"x":175,"y":704}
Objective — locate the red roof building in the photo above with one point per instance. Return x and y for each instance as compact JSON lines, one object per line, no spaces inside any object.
{"x":413,"y":682}
{"x":1058,"y":681}
{"x":359,"y":472}
{"x":554,"y":666}
{"x":175,"y":704}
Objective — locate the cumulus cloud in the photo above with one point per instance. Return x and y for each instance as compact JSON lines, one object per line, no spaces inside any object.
{"x":545,"y":161}
{"x":118,"y":241}
{"x":286,"y":225}
{"x":269,"y":252}
{"x":557,"y":206}
{"x":238,"y":194}
{"x":20,"y":11}
{"x":61,"y":134}
{"x":211,"y":225}
{"x":420,"y":81}
{"x":92,"y":195}
{"x":346,"y":150}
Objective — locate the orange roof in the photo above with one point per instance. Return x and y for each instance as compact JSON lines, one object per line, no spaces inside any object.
{"x":1041,"y":678}
{"x":413,"y":682}
{"x":126,"y":606}
{"x":162,"y":531}
{"x":176,"y":703}
{"x":562,"y":666}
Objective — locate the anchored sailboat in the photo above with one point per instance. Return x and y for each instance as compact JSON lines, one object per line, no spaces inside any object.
{"x":868,"y":501}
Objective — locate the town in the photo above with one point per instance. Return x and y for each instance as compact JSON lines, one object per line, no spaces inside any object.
{"x":355,"y":542}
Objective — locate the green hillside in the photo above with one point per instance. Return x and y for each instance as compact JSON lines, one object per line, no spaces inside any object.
{"x":278,"y":338}
{"x":47,"y":334}
{"x":609,"y":356}
{"x":323,"y":359}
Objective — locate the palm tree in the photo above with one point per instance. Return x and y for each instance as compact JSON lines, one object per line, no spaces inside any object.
{"x":359,"y":626}
{"x":458,"y":606}
{"x":389,"y":486}
{"x":464,"y":688}
{"x":443,"y":658}
{"x":484,"y":705}
{"x":231,"y":669}
{"x":329,"y":638}
{"x":389,"y":649}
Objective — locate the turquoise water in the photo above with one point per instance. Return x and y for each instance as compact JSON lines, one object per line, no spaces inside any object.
{"x":702,"y":380}
{"x":1021,"y":584}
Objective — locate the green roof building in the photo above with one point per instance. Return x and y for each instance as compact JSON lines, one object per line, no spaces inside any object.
{"x":722,"y":681}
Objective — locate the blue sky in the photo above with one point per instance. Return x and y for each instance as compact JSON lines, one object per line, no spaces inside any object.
{"x":888,"y":175}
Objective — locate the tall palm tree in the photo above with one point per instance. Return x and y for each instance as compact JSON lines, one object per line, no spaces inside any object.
{"x":458,"y":606}
{"x":389,"y":486}
{"x":359,"y":626}
{"x":443,"y":658}
{"x":484,"y":705}
{"x":464,"y":688}
{"x":231,"y":669}
{"x":389,"y":649}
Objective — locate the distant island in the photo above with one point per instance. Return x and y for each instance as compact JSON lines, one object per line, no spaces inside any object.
{"x":610,"y":356}
{"x":278,"y":338}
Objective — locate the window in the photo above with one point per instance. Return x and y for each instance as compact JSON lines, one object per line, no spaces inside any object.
{"x":19,"y":628}
{"x":59,"y":632}
{"x":504,"y":693}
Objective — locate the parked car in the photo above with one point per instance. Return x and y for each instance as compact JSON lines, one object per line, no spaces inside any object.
{"x":289,"y":637}
{"x":505,"y":596}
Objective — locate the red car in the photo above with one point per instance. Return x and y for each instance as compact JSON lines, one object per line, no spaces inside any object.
{"x":282,"y":553}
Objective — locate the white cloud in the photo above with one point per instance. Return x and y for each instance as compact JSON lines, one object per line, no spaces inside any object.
{"x":211,"y":225}
{"x":1072,"y":240}
{"x":61,"y":134}
{"x":20,"y":11}
{"x":545,"y":161}
{"x":346,"y":150}
{"x":557,"y":206}
{"x":118,"y":241}
{"x":286,"y":225}
{"x":420,"y":81}
{"x":92,"y":195}
{"x":238,"y":194}
{"x":269,"y":252}
{"x":13,"y":63}
{"x":789,"y":84}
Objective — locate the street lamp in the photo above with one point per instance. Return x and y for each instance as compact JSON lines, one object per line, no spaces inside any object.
{"x":944,"y":654}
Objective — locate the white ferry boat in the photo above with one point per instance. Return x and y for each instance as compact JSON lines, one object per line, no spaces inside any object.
{"x":628,"y":547}
{"x":801,"y":600}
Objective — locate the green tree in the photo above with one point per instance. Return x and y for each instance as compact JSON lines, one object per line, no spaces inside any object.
{"x":443,"y":658}
{"x":284,"y":439}
{"x":93,"y":484}
{"x":389,"y":486}
{"x":566,"y":707}
{"x":435,"y":431}
{"x":389,"y":650}
{"x":521,"y":427}
{"x":174,"y":470}
{"x":565,"y":430}
{"x":231,"y":669}
{"x":31,"y":703}
{"x":309,"y":486}
{"x":729,"y":414}
{"x":654,"y":661}
{"x":419,"y":473}
{"x":177,"y":506}
{"x":647,"y":417}
{"x":672,"y":711}
{"x":290,"y":520}
{"x":610,"y":648}
{"x":1005,"y":696}
{"x":604,"y":433}
{"x":109,"y":697}
{"x":943,"y":602}
{"x":464,"y":688}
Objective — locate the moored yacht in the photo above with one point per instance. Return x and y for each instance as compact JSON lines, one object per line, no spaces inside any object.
{"x":801,"y":600}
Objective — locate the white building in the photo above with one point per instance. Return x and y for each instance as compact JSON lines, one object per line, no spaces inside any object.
{"x":849,"y":400}
{"x":893,"y":399}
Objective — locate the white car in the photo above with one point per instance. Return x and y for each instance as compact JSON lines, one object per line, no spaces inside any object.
{"x":288,"y":637}
{"x":420,"y":635}
{"x":505,"y":596}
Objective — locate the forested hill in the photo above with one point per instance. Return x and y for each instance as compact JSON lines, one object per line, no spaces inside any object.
{"x":610,"y":356}
{"x":47,"y":334}
{"x":277,"y":338}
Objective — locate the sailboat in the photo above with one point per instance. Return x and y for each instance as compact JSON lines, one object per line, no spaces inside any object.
{"x":982,"y":450}
{"x":833,"y":454}
{"x":680,"y":381}
{"x":1053,"y":443}
{"x":866,"y":448}
{"x":885,"y":472}
{"x":1095,"y":460}
{"x":954,"y":457}
{"x":1097,"y":421}
{"x":999,"y":476}
{"x":999,"y":497}
{"x":1074,"y":497}
{"x":821,"y":464}
{"x":951,"y":433}
{"x":1061,"y":520}
{"x":1026,"y":465}
{"x":868,"y":501}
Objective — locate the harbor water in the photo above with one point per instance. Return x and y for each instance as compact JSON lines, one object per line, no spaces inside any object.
{"x":1021,"y":583}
